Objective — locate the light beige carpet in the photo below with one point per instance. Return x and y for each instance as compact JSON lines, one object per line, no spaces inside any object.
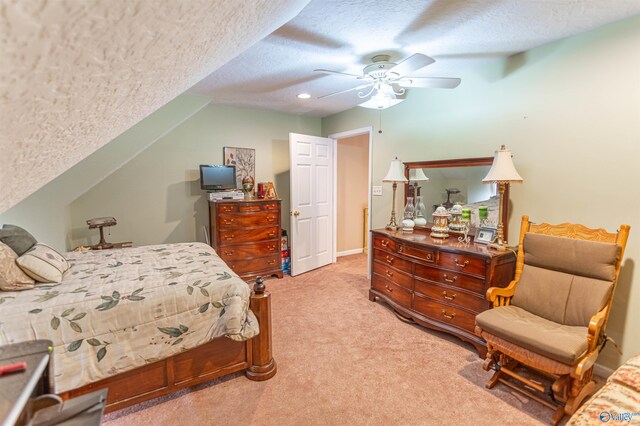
{"x":345,"y":360}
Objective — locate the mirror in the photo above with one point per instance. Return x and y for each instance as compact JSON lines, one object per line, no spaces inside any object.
{"x":458,"y":181}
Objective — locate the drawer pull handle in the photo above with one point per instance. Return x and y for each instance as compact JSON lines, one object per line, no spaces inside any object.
{"x":429,"y":256}
{"x":389,"y":273}
{"x":271,"y":262}
{"x":227,"y":209}
{"x":385,"y":243}
{"x":450,"y":280}
{"x":389,"y":289}
{"x":228,"y":221}
{"x":271,"y":234}
{"x":389,"y":259}
{"x":401,"y":249}
{"x":229,"y":237}
{"x":461,"y":265}
{"x":444,"y":314}
{"x":446,"y":296}
{"x":272,"y":247}
{"x":228,"y":252}
{"x":271,"y":219}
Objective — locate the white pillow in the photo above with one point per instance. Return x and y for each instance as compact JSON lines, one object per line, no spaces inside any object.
{"x":43,"y":264}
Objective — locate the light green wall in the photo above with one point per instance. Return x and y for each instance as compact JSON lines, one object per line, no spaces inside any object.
{"x":569,"y":111}
{"x":46,"y":212}
{"x":156,"y":196}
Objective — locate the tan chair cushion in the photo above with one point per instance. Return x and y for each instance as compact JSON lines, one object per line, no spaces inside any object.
{"x":543,"y":292}
{"x":12,"y":278}
{"x":563,"y":343}
{"x":578,"y":257}
{"x":560,"y":297}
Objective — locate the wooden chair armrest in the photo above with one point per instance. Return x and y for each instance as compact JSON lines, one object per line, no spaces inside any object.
{"x":595,"y":328}
{"x":501,"y":296}
{"x":593,"y":337}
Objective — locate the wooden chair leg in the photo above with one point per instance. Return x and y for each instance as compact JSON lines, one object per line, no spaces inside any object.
{"x":574,"y":402}
{"x":557,"y":416}
{"x":494,"y":380}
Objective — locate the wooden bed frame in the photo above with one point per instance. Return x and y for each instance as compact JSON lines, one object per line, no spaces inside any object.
{"x":217,"y":358}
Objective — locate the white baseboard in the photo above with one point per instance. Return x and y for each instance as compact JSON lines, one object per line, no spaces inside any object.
{"x":348,"y":252}
{"x":602,"y":371}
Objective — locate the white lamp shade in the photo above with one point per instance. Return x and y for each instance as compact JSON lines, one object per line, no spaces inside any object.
{"x":396,"y":172}
{"x":502,"y":169}
{"x":417,"y":174}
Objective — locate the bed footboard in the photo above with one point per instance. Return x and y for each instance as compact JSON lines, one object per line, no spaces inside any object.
{"x":263,"y":366}
{"x":220,"y":357}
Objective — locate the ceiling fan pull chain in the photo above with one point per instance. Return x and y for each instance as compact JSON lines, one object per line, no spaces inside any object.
{"x":380,"y":125}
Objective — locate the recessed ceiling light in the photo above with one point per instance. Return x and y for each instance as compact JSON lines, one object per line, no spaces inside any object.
{"x":304,"y":96}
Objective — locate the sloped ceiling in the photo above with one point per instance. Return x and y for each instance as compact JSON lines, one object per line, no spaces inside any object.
{"x":76,"y":74}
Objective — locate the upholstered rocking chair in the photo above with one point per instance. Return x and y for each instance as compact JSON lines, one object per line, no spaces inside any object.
{"x":552,"y":317}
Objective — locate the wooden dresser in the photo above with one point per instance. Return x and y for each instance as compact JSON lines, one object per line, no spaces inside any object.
{"x":246,"y":235}
{"x":440,"y":285}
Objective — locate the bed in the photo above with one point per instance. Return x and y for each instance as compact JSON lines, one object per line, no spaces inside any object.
{"x":144,"y":322}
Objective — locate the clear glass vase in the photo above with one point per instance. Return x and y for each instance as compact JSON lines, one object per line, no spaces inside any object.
{"x":420,"y":217}
{"x":409,"y":211}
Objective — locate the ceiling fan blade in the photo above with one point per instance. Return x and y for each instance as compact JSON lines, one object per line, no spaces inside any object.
{"x":337,"y":72}
{"x":346,"y":90}
{"x":411,"y":64}
{"x":429,"y":82}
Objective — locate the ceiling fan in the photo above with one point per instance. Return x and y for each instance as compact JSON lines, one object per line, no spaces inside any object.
{"x":383,"y":81}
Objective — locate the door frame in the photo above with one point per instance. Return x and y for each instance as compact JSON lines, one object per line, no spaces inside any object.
{"x":343,"y":135}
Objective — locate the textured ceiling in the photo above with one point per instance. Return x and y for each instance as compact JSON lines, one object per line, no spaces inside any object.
{"x":343,"y":35}
{"x":75,"y":74}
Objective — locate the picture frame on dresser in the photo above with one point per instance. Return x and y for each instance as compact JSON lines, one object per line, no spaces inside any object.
{"x":485,"y":235}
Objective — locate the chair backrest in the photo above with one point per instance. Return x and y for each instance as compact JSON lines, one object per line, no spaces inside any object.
{"x":567,"y":272}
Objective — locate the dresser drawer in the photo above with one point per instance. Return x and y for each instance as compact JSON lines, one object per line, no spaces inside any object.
{"x":243,"y":251}
{"x":462,"y":263}
{"x":230,"y":236}
{"x":393,"y":291}
{"x":394,"y":261}
{"x":231,"y":220}
{"x":383,"y":243}
{"x":451,"y":296}
{"x":226,"y":208}
{"x":444,"y":313}
{"x":426,"y":254}
{"x":450,"y":278}
{"x":392,"y":275}
{"x":260,"y":264}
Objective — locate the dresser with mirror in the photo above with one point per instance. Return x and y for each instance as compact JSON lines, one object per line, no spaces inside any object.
{"x":441,"y":283}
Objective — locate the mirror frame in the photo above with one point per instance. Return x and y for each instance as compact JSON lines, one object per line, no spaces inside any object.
{"x":459,"y":162}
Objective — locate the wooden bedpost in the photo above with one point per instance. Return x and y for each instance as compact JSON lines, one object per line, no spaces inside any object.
{"x":263,"y":365}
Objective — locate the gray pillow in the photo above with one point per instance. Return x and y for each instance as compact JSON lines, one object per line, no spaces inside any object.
{"x":17,"y":238}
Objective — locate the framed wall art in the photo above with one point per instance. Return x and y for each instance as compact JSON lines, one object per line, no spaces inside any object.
{"x":244,"y":159}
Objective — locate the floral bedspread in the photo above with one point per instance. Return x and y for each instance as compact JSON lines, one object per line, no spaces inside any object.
{"x":117,"y":310}
{"x":617,"y":402}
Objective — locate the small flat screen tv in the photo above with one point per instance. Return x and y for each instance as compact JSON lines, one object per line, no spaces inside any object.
{"x":215,"y":178}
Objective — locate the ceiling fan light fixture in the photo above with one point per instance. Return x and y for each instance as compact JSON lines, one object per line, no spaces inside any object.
{"x":303,"y":96}
{"x":381,"y":101}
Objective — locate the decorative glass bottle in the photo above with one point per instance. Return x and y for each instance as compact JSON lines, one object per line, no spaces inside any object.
{"x":420,"y":218}
{"x":409,"y":211}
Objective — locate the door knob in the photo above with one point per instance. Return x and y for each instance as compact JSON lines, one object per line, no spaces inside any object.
{"x":296,"y":213}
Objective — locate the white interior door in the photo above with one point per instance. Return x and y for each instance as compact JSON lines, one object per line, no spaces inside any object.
{"x":312,"y":218}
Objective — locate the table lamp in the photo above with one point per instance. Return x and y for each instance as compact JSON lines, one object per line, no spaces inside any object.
{"x":417,"y":175}
{"x":502,"y":172}
{"x":394,"y":175}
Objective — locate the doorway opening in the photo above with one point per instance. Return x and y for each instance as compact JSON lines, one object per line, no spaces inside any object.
{"x":352,"y":191}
